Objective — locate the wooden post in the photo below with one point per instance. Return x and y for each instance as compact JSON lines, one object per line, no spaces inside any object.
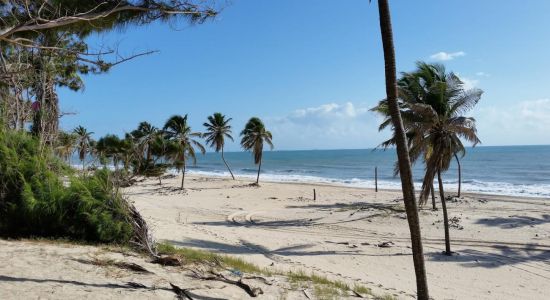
{"x":314,"y":195}
{"x":376,"y":179}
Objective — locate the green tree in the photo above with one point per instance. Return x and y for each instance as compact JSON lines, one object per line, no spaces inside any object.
{"x":254,"y":135}
{"x":65,"y":145}
{"x":217,"y":129}
{"x":83,"y":143}
{"x":144,"y":136}
{"x":404,"y":164}
{"x":432,"y":102}
{"x":177,"y":129}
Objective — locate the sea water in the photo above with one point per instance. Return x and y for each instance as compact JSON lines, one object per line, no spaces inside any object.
{"x":508,"y":170}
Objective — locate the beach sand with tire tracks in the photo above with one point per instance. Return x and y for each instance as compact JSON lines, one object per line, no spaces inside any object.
{"x":502,"y":243}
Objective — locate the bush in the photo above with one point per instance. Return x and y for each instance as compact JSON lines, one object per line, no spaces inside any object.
{"x":35,"y":201}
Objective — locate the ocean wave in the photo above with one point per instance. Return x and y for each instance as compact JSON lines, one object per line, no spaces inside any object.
{"x":473,"y":186}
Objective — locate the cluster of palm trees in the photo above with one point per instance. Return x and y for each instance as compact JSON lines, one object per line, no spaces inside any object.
{"x":432,"y":103}
{"x":150,"y":151}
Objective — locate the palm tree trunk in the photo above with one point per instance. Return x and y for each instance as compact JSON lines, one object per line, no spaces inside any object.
{"x":259,"y":167}
{"x":445,"y":216}
{"x":404,"y":162}
{"x":223,"y":158}
{"x":182,"y":176}
{"x":434,"y":207}
{"x":459,"y":175}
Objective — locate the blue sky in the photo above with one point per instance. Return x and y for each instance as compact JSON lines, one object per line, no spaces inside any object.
{"x":311,"y":69}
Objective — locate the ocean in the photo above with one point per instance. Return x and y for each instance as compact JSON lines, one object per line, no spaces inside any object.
{"x":502,"y":170}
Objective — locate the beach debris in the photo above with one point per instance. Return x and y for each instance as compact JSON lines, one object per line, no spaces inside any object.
{"x":172,"y":261}
{"x":136,"y":285}
{"x":306,"y":293}
{"x":454,"y":222}
{"x":272,"y":198}
{"x":251,"y":291}
{"x":132,"y":267}
{"x":386,"y":244}
{"x":180,"y":293}
{"x":365,"y":243}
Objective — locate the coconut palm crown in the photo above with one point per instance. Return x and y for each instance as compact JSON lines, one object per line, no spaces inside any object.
{"x":177,"y":129}
{"x":83,"y":142}
{"x":217,"y":129}
{"x":254,"y":135}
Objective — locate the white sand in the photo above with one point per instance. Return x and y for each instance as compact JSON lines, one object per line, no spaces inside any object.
{"x":503,"y":247}
{"x":56,"y":270}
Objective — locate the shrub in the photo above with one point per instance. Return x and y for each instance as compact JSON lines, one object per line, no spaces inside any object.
{"x":41,"y":196}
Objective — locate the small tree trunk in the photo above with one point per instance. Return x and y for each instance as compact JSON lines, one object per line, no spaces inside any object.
{"x":434,"y":207}
{"x":259,"y":167}
{"x":459,"y":175}
{"x":229,"y":169}
{"x":445,"y":216}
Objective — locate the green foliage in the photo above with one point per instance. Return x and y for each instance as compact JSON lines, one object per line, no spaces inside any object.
{"x":254,"y":135}
{"x":35,"y":201}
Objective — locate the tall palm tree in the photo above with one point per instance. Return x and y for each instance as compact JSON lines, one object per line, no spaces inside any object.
{"x":177,"y":130}
{"x":254,"y":135}
{"x":217,"y":129}
{"x":402,"y":150}
{"x":432,"y":102}
{"x":83,"y":143}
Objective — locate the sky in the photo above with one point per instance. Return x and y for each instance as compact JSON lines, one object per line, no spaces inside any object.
{"x":312,"y":69}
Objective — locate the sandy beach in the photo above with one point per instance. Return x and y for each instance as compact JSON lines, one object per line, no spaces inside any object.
{"x":357,"y":235}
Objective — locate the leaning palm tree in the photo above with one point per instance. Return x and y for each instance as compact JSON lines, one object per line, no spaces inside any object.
{"x":432,"y":103}
{"x":177,"y":130}
{"x":403,"y":158}
{"x":217,"y":129}
{"x":254,"y":135}
{"x":83,"y":143}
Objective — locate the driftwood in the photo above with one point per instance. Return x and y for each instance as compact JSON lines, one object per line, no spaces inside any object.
{"x":251,"y":291}
{"x":180,"y":293}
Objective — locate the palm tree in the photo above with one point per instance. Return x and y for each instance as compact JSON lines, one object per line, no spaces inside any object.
{"x":402,"y":150}
{"x":254,"y":135}
{"x":432,"y":103}
{"x":217,"y":129}
{"x":83,"y":142}
{"x":145,"y":135}
{"x":177,"y":130}
{"x":65,"y":145}
{"x":110,"y":147}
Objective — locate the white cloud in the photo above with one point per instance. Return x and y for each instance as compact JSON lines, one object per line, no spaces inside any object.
{"x":331,"y":125}
{"x":525,"y":122}
{"x":445,"y":56}
{"x":482,"y":74}
{"x":469,"y":83}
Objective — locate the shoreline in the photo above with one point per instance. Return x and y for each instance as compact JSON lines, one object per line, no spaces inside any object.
{"x":448,"y":192}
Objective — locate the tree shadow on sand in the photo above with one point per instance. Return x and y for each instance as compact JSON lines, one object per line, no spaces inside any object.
{"x":247,"y":247}
{"x":514,"y":221}
{"x":392,"y":208}
{"x":530,"y":256}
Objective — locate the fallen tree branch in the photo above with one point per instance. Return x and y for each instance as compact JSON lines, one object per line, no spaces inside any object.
{"x":180,"y":293}
{"x":252,"y":292}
